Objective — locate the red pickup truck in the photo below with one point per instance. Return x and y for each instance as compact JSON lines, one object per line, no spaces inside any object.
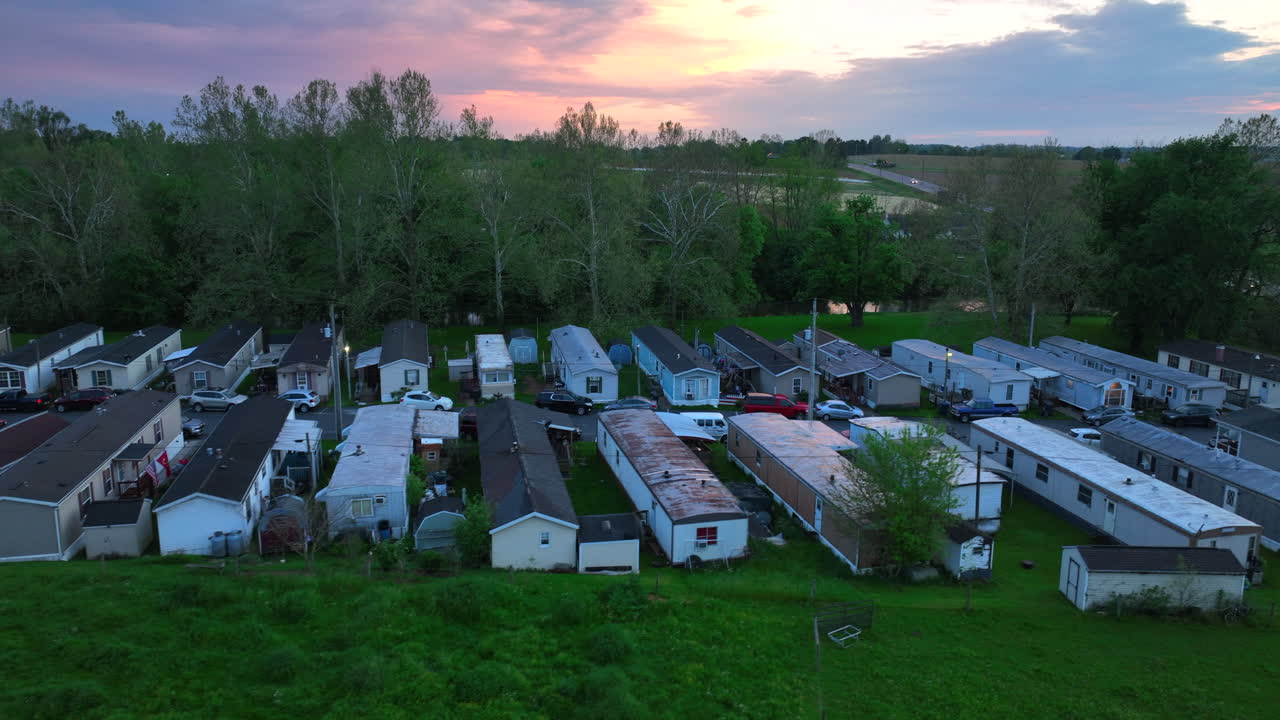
{"x":762,"y":402}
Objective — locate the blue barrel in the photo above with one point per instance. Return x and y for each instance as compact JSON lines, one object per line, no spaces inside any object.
{"x":218,"y":545}
{"x":235,"y":543}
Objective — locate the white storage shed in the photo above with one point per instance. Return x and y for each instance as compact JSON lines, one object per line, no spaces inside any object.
{"x":1094,"y":575}
{"x":609,"y":543}
{"x":522,"y":346}
{"x":690,"y":512}
{"x":1107,"y":496}
{"x":941,"y":367}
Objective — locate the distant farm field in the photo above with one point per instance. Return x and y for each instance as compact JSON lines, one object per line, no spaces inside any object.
{"x":941,"y":168}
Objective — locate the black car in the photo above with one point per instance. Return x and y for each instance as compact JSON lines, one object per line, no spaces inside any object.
{"x":1190,"y":414}
{"x":23,"y":401}
{"x":564,"y":401}
{"x":631,"y":403}
{"x":1105,"y":414}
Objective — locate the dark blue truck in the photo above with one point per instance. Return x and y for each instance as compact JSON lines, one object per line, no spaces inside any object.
{"x":979,"y":409}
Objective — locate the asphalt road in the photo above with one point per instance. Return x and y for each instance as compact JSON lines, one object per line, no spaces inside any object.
{"x":924,"y":185}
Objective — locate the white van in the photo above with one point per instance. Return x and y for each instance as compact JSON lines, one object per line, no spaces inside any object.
{"x":712,"y":423}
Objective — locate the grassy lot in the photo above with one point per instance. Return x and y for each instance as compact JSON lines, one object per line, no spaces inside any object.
{"x":877,"y":185}
{"x":941,"y":169}
{"x":86,"y":640}
{"x":592,"y":486}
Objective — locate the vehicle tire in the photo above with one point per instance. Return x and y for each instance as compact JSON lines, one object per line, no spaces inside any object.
{"x":197,"y":408}
{"x":439,"y":408}
{"x":582,"y":411}
{"x":826,"y":417}
{"x":964,"y":418}
{"x":304,"y":408}
{"x":61,"y":408}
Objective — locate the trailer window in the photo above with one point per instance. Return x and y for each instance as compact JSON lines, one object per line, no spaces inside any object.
{"x":1042,"y":472}
{"x":1085,"y":495}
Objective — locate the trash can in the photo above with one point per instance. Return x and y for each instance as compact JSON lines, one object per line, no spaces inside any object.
{"x":235,"y":543}
{"x":218,"y":545}
{"x":384,"y":529}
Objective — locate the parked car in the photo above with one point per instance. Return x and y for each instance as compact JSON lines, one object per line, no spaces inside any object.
{"x":837,"y":410}
{"x":564,"y":401}
{"x":467,"y":424}
{"x":86,"y":399}
{"x":215,"y":399}
{"x":426,"y":400}
{"x":1190,"y":414}
{"x":1086,"y":436}
{"x":23,"y":401}
{"x":192,"y":427}
{"x":763,"y":402}
{"x":1104,"y":414}
{"x":631,"y":403}
{"x":713,"y":423}
{"x":978,"y":409}
{"x":303,"y":400}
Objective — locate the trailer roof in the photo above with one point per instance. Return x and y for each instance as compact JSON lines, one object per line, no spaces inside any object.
{"x":377,"y":448}
{"x":492,"y":353}
{"x":990,"y":369}
{"x":811,"y":450}
{"x":1170,"y":375}
{"x":1048,"y":361}
{"x":1166,"y":502}
{"x":579,"y":349}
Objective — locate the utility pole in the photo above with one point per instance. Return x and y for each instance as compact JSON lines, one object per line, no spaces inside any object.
{"x":813,"y":359}
{"x":977,"y":493}
{"x":337,"y":396}
{"x":1031,"y":333}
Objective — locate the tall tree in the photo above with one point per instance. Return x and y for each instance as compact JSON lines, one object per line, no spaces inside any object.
{"x":901,"y":487}
{"x":853,"y":257}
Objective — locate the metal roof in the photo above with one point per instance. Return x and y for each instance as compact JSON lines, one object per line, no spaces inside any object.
{"x":1175,"y":507}
{"x":54,"y":469}
{"x":49,"y":345}
{"x":404,"y":340}
{"x":1233,"y":358}
{"x":1257,"y":419}
{"x":761,"y":352}
{"x":810,"y":450}
{"x":1048,"y":361}
{"x":671,"y":350}
{"x":989,"y":369}
{"x":376,"y":450}
{"x":1197,"y":457}
{"x":577,"y":347}
{"x":437,"y":424}
{"x":369,"y":358}
{"x":298,"y":436}
{"x":1173,"y":376}
{"x":1137,"y":559}
{"x":684,"y":428}
{"x":122,"y":352}
{"x":219,"y":348}
{"x":840,"y":358}
{"x":685,"y":488}
{"x":245,"y":437}
{"x":966,"y":470}
{"x":492,"y":353}
{"x":104,"y":513}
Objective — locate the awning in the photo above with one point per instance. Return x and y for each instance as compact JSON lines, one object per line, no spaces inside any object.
{"x":369,"y":358}
{"x":135,"y":451}
{"x":295,"y":434}
{"x":179,"y":354}
{"x":683,"y":427}
{"x":1041,"y":373}
{"x":742,"y":362}
{"x":266,"y":360}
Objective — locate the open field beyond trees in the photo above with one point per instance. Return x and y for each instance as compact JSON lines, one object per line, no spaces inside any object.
{"x":942,"y":168}
{"x":151,"y":638}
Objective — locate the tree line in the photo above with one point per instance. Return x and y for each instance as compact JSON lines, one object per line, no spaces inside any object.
{"x":249,"y":205}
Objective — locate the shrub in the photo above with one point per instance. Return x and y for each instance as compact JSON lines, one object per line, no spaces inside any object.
{"x":624,"y":600}
{"x":610,"y":644}
{"x":430,"y":561}
{"x":472,"y":533}
{"x":570,"y":609}
{"x":392,"y":555}
{"x":282,"y":665}
{"x":486,"y":680}
{"x":1152,"y":600}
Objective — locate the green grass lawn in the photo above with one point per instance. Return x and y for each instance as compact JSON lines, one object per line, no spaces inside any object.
{"x":879,"y":185}
{"x":592,"y":486}
{"x":150,"y":638}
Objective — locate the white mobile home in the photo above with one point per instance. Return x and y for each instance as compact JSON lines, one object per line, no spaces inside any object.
{"x":127,"y":364}
{"x":494,"y":369}
{"x":368,"y":491}
{"x":403,"y":360}
{"x":30,"y":366}
{"x":686,"y":377}
{"x":1107,"y":496}
{"x":1150,"y":379}
{"x":954,"y":371}
{"x":1062,"y":378}
{"x":1252,"y":378}
{"x":690,"y":512}
{"x":1093,"y":576}
{"x":582,"y":364}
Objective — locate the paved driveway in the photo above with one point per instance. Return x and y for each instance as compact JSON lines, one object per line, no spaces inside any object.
{"x":907,"y":180}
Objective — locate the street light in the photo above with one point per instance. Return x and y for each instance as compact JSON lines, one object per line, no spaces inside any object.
{"x":346,"y":349}
{"x":39,"y":375}
{"x":946,"y":377}
{"x":1249,"y":387}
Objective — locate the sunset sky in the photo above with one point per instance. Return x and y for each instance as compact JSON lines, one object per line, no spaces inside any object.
{"x":957,"y":71}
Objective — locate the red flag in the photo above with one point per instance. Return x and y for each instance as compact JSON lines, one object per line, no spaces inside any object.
{"x":164,"y":460}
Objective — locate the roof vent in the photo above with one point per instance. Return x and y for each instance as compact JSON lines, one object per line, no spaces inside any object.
{"x":704,"y":482}
{"x":515,"y":447}
{"x":1128,"y":481}
{"x":666,"y":473}
{"x":359,"y":450}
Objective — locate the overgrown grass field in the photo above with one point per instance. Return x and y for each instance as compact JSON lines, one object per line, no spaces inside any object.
{"x":151,"y":638}
{"x":941,"y":169}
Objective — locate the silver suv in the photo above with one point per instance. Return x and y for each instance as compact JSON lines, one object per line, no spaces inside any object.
{"x":215,"y":399}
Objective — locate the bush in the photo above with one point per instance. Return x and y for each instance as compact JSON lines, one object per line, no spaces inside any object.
{"x":1152,"y":600}
{"x":610,"y":644}
{"x":624,"y":600}
{"x":430,"y":561}
{"x":392,"y":555}
{"x":472,"y":533}
{"x":569,"y":610}
{"x":282,"y":665}
{"x":486,"y":680}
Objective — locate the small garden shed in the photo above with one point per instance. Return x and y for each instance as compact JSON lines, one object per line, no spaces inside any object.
{"x":523,"y":346}
{"x":436,"y":519}
{"x":967,"y":552}
{"x":609,"y":543}
{"x":117,"y":528}
{"x":620,"y":352}
{"x":1094,"y":575}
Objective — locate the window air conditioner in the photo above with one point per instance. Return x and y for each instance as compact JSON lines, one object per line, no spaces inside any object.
{"x":688,"y":395}
{"x":701,"y":544}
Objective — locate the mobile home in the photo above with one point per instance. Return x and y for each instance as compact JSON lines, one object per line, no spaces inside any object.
{"x":1150,"y":379}
{"x":1106,"y":496}
{"x":686,"y":378}
{"x":582,"y":365}
{"x":953,"y":371}
{"x":494,"y":369}
{"x":1062,"y":378}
